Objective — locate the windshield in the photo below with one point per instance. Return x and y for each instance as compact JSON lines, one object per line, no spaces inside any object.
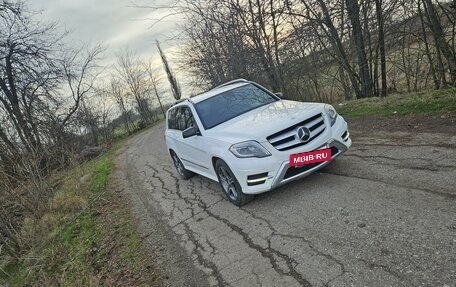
{"x":230,"y":104}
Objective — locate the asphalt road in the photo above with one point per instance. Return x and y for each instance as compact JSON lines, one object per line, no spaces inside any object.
{"x":383,"y":214}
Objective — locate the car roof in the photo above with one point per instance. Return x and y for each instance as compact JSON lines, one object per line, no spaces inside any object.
{"x":217,"y":90}
{"x":213,"y":92}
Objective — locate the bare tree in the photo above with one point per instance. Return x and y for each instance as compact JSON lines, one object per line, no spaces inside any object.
{"x":353,"y":14}
{"x":88,"y":119}
{"x":154,"y":82}
{"x":381,"y":44}
{"x":33,"y":73}
{"x":37,"y":114}
{"x":81,"y":79}
{"x":105,"y":110}
{"x":174,"y":84}
{"x":120,"y":96}
{"x":316,"y":48}
{"x":328,"y":36}
{"x":134,"y":76}
{"x":27,"y":72}
{"x":438,"y":33}
{"x":424,"y":36}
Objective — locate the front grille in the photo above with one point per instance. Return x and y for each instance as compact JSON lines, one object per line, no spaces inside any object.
{"x":286,"y":139}
{"x":292,"y":171}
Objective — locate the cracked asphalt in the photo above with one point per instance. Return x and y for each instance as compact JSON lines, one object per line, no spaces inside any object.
{"x":383,"y":214}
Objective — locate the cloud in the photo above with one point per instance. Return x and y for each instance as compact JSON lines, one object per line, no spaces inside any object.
{"x":118,"y":24}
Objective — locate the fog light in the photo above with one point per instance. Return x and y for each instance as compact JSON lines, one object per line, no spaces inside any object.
{"x":257,"y":178}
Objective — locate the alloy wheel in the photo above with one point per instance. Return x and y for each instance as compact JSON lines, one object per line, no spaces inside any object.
{"x":178,"y":164}
{"x":228,"y":183}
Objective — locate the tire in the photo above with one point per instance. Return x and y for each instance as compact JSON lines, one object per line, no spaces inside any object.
{"x":184,"y":173}
{"x":230,"y":184}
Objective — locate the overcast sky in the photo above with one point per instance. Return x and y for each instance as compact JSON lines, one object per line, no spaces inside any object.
{"x":116,"y":23}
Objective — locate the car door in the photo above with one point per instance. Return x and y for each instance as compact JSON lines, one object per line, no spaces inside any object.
{"x":192,"y":150}
{"x":173,"y":133}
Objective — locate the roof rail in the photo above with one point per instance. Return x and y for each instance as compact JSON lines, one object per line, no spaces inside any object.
{"x":180,"y":101}
{"x":232,"y":82}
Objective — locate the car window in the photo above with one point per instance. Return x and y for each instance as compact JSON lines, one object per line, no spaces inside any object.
{"x":187,"y":119}
{"x":230,"y":104}
{"x":181,"y":118}
{"x":172,"y":119}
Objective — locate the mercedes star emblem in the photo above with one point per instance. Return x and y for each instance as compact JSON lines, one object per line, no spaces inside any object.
{"x":303,"y":134}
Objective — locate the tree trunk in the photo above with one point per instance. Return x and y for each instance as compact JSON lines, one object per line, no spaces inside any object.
{"x":353,"y":14}
{"x":381,"y":43}
{"x":337,"y":43}
{"x":428,"y":51}
{"x":158,"y":98}
{"x":347,"y":91}
{"x":370,"y":49}
{"x":440,"y":40}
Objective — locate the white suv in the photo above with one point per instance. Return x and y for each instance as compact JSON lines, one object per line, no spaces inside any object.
{"x":250,"y":140}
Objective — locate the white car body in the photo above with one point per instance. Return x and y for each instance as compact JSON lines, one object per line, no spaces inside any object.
{"x":256,"y":175}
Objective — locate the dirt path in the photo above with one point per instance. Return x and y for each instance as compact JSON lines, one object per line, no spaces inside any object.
{"x":384,"y":214}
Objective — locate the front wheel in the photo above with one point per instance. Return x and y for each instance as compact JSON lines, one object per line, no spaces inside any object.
{"x":183,"y":172}
{"x":230,"y":184}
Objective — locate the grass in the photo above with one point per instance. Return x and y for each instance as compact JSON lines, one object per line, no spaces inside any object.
{"x":422,"y":103}
{"x":86,"y":238}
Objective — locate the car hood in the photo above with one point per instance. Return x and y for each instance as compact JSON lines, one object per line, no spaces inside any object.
{"x":264,"y":121}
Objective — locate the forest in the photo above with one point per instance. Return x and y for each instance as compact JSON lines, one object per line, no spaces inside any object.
{"x":322,"y":50}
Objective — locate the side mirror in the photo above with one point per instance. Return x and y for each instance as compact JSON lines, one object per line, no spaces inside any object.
{"x":191,"y":131}
{"x":280,"y":95}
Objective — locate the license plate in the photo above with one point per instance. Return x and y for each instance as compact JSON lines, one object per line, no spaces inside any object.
{"x":315,"y":156}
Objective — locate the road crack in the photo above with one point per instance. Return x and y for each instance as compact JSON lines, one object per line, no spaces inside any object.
{"x":434,"y":192}
{"x":320,"y":253}
{"x":268,"y":253}
{"x":201,"y":260}
{"x":385,"y":268}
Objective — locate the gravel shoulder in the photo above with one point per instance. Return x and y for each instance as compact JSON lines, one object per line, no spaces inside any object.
{"x":383,"y":214}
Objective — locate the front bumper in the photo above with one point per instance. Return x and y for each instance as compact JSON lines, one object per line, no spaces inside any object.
{"x":280,"y":178}
{"x":275,"y":170}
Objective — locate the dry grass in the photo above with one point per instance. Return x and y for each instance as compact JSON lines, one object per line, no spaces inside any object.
{"x":85,"y":237}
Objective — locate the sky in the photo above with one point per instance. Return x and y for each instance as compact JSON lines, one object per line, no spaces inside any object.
{"x":118,"y":24}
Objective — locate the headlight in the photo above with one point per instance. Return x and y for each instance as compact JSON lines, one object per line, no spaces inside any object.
{"x":331,"y":112}
{"x":249,"y":149}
